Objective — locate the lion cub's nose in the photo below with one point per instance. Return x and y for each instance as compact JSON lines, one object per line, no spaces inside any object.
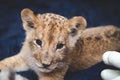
{"x":46,"y":60}
{"x":45,"y":65}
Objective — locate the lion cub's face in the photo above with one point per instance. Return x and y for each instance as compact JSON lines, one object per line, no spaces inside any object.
{"x":50,"y":36}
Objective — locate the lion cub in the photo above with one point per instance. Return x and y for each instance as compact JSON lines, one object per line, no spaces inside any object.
{"x":54,"y":43}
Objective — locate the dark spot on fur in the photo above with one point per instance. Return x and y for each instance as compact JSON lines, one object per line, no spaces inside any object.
{"x":88,"y":38}
{"x":55,"y":18}
{"x":59,"y":22}
{"x":63,"y":19}
{"x":97,"y":38}
{"x":55,"y":24}
{"x":50,"y":24}
{"x":52,"y":17}
{"x":108,"y":36}
{"x":46,"y":19}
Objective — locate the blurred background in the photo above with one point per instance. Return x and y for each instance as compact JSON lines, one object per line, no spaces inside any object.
{"x":96,"y":12}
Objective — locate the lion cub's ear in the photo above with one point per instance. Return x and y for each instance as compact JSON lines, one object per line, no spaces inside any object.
{"x":28,"y":19}
{"x":76,"y":26}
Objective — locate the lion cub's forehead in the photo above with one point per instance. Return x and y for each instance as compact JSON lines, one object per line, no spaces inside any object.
{"x":52,"y":20}
{"x":52,"y":25}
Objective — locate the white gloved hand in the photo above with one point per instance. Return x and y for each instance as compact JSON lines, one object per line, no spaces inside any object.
{"x":10,"y":75}
{"x":111,"y":58}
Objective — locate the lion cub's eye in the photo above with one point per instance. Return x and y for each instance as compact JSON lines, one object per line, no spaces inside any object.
{"x":38,"y":42}
{"x":59,"y":46}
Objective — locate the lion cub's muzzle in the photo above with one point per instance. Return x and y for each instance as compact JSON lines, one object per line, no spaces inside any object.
{"x":46,"y":61}
{"x":46,"y":64}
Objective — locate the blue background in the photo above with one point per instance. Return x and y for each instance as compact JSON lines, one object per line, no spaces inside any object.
{"x":96,"y":12}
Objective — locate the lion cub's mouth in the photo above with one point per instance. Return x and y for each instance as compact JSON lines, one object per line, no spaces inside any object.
{"x":44,"y":69}
{"x":51,"y":68}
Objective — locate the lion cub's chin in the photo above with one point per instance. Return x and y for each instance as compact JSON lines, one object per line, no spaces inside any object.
{"x":45,"y":70}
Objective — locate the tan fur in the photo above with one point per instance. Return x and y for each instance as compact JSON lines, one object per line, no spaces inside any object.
{"x":80,"y":48}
